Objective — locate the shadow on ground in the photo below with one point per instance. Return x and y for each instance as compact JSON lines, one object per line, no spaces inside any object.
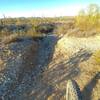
{"x":88,"y":89}
{"x":56,"y":75}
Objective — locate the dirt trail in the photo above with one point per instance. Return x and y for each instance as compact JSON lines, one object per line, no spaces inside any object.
{"x":56,"y":61}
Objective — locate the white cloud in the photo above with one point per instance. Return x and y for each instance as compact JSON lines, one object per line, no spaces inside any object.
{"x":69,"y":10}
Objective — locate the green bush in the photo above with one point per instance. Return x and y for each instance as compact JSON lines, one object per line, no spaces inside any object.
{"x":89,"y":19}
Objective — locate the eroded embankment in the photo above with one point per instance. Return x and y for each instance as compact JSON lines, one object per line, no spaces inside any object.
{"x":24,"y":61}
{"x":39,"y":70}
{"x":73,"y":58}
{"x":18,"y":58}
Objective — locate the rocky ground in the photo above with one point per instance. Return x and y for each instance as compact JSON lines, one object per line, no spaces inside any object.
{"x":38,"y":69}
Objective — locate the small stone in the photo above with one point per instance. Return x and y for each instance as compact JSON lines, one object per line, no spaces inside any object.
{"x":5,"y":64}
{"x":19,"y":55}
{"x":8,"y":52}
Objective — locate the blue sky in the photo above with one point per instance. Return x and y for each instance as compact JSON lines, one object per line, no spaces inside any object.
{"x":26,"y":8}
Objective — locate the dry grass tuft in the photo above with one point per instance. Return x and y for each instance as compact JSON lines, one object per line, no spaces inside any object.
{"x":11,"y":38}
{"x":96,"y":57}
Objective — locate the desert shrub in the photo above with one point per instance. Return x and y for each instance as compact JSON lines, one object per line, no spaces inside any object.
{"x":96,"y":57}
{"x":62,"y":28}
{"x":45,"y":28}
{"x":89,"y":19}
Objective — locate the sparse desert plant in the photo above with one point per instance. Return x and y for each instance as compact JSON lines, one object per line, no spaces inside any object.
{"x":61,"y":29}
{"x":90,"y":18}
{"x":81,"y":20}
{"x":34,"y":26}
